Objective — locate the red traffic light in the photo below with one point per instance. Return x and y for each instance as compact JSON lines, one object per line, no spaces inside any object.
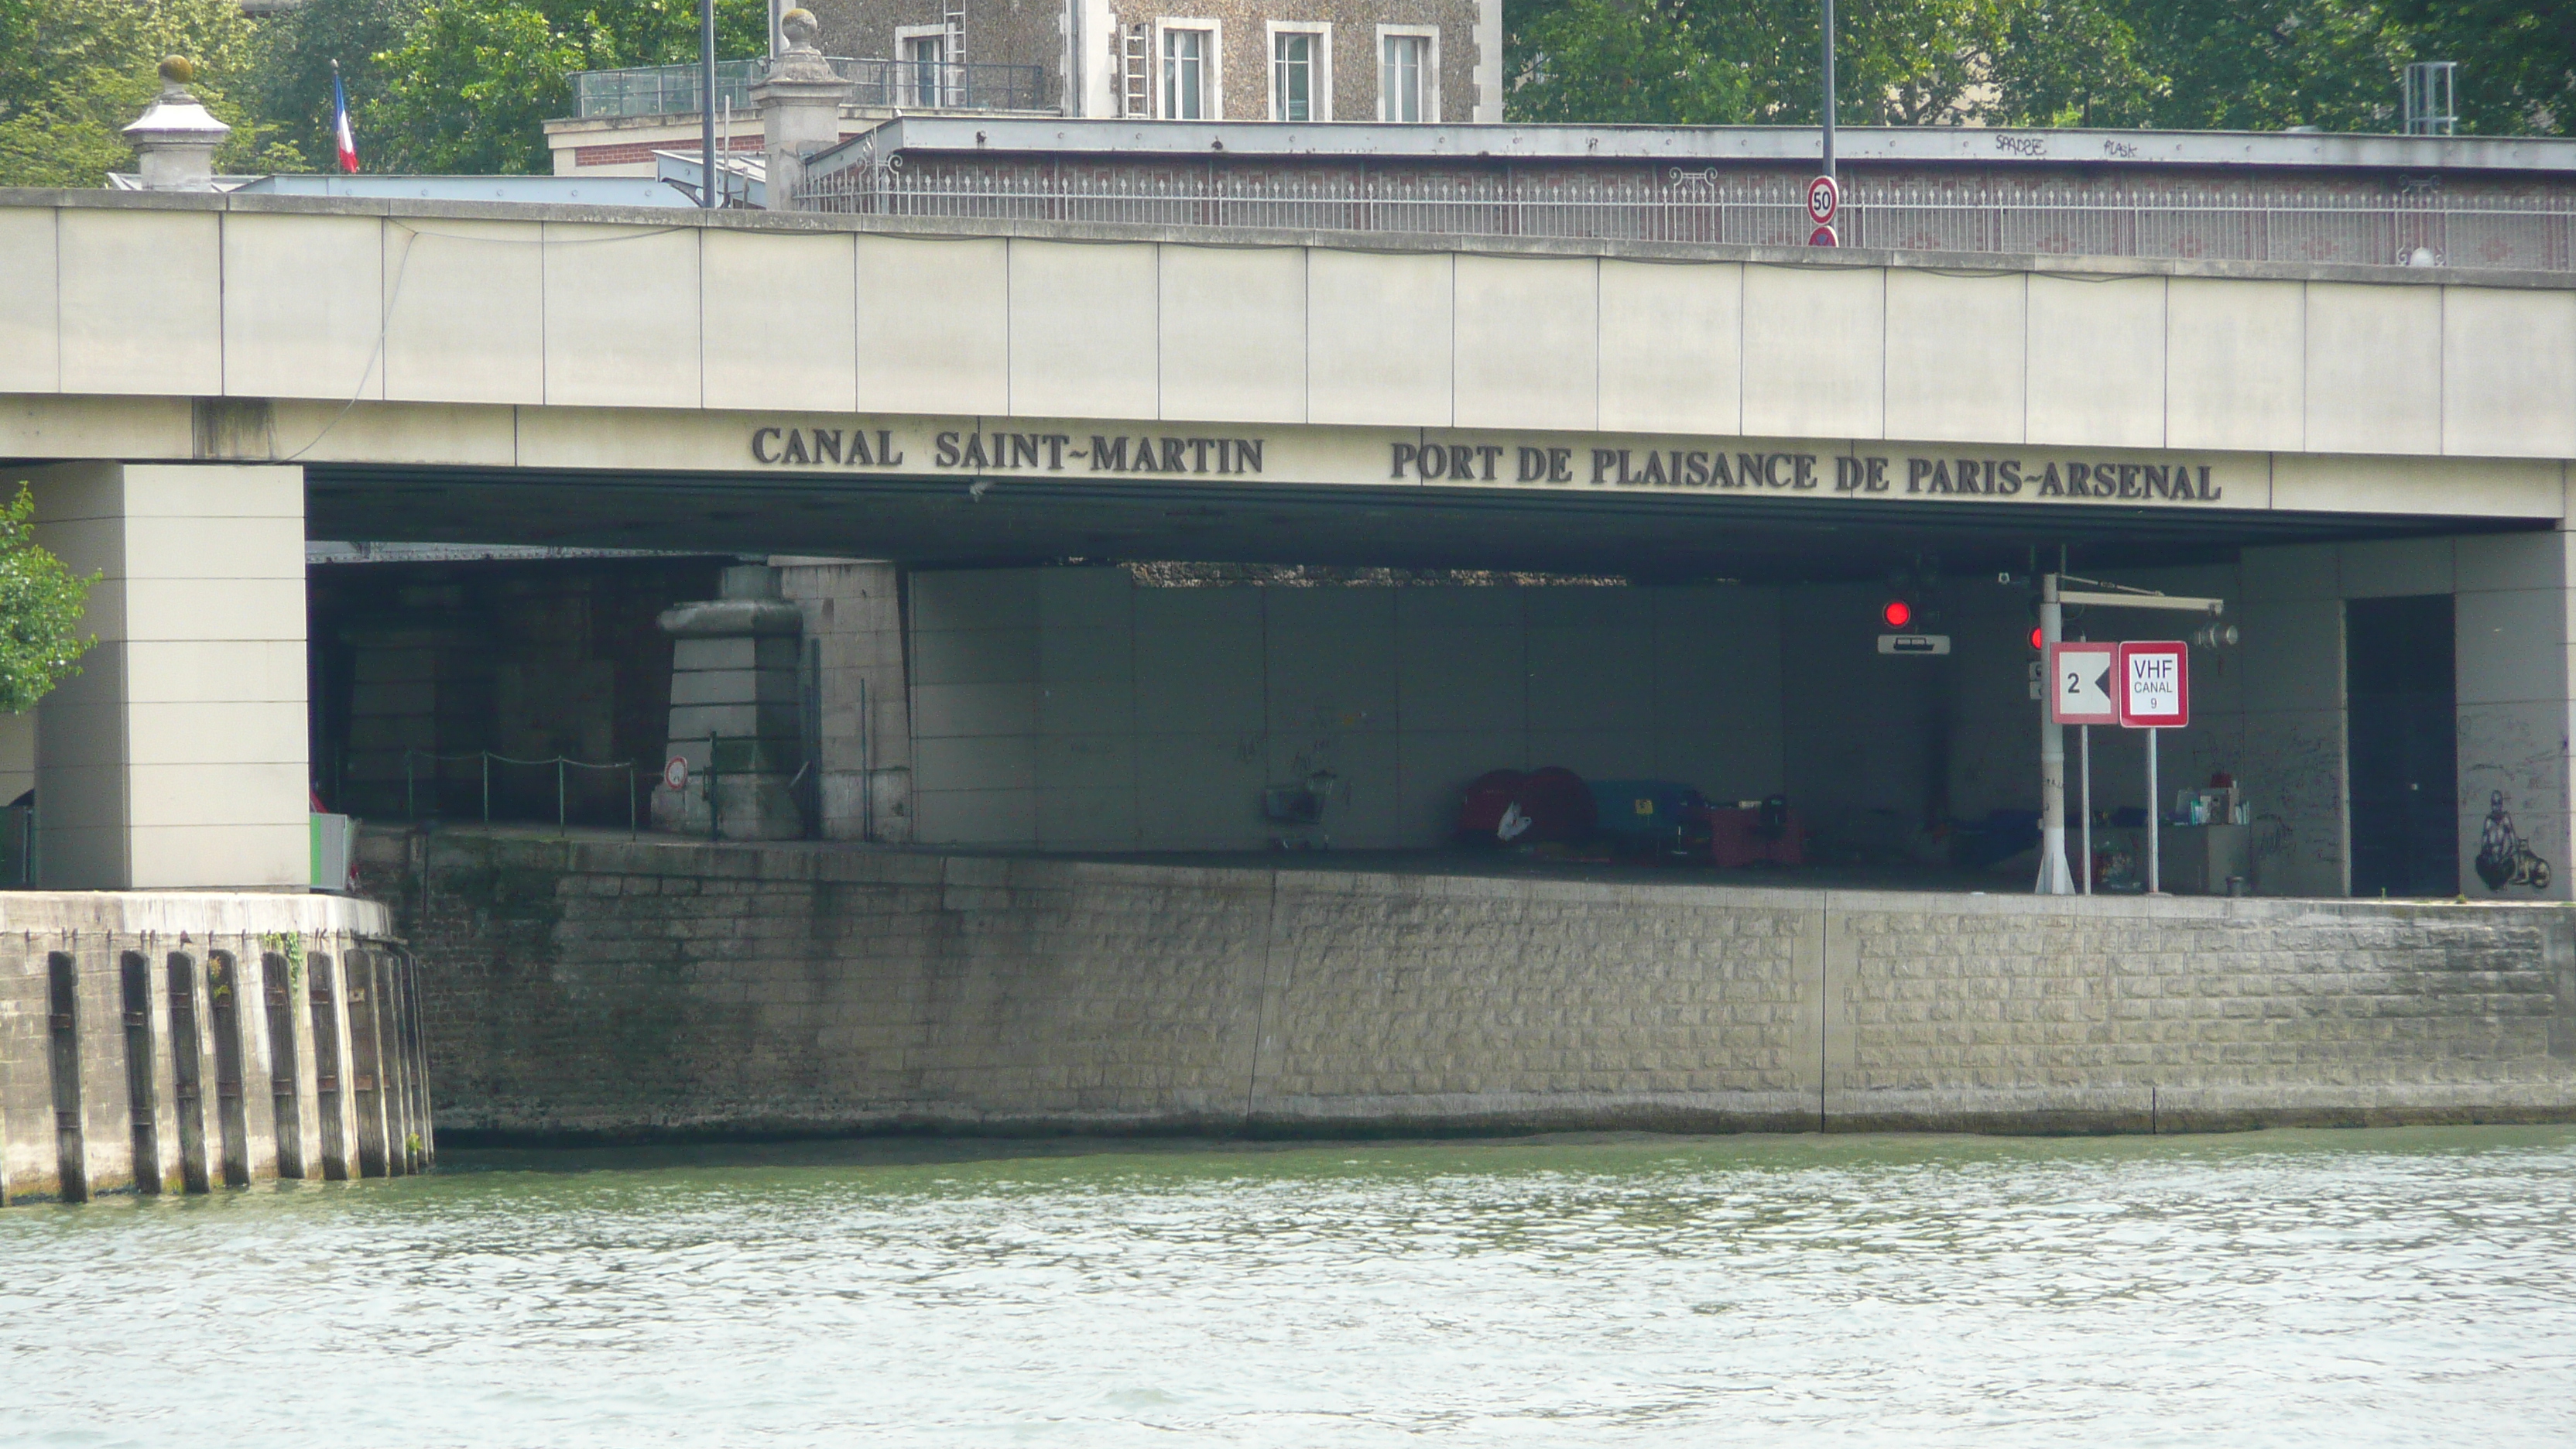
{"x":2036,"y":642}
{"x":1897,"y":613}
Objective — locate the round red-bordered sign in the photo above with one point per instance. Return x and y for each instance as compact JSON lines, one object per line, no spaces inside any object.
{"x":1824,"y":198}
{"x":675,"y":774}
{"x":1823,"y":236}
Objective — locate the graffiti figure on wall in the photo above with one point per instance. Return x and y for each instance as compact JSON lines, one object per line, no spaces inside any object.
{"x":2504,"y":857}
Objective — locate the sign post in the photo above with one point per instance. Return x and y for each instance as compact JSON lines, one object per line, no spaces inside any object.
{"x":2155,"y":694}
{"x":2079,"y":694}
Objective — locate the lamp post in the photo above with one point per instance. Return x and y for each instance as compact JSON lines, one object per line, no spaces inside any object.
{"x":707,"y":102}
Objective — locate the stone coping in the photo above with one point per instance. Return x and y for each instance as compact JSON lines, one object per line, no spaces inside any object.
{"x":672,"y":218}
{"x":194,"y":913}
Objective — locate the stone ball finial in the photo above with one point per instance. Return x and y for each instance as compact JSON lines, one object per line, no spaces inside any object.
{"x":799,"y":26}
{"x":178,"y":70}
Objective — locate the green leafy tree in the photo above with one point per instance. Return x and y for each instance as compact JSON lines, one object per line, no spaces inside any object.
{"x":471,"y":83}
{"x":75,"y":73}
{"x":40,"y":611}
{"x":2517,"y":61}
{"x":297,"y":50}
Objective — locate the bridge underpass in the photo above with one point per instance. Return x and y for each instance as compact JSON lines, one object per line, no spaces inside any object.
{"x":1754,"y":440}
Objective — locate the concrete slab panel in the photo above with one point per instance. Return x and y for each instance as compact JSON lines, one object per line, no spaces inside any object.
{"x":186,"y":609}
{"x":1086,"y":707}
{"x":2293,"y":654}
{"x":2513,"y":560}
{"x":2513,"y":648}
{"x":178,"y":857}
{"x":1465,"y":680}
{"x":1087,"y":820}
{"x":214,"y":733}
{"x":31,"y":357}
{"x":465,"y":311}
{"x":1672,"y":347}
{"x":96,"y":427}
{"x":147,"y":287}
{"x":463,"y":434}
{"x":1106,"y":656}
{"x":2508,"y":373}
{"x":1459,"y":608}
{"x":2480,"y":488}
{"x":1378,"y":330}
{"x":303,"y":302}
{"x":1233,"y":334}
{"x":2235,"y":364}
{"x":2374,"y":365}
{"x":176,"y":672}
{"x":1528,"y":342}
{"x":1083,"y":330}
{"x":1821,"y":337}
{"x":1625,"y":609}
{"x":2387,"y":568}
{"x":2097,"y":362}
{"x":1086,"y":598}
{"x":1087,"y":761}
{"x":1351,"y":611}
{"x":1590,"y":679}
{"x":217,"y":793}
{"x":1954,"y":357}
{"x":2514,"y":750}
{"x":214,"y":548}
{"x":1199,"y":681}
{"x":975,"y":817}
{"x":601,"y":349}
{"x":988,"y":762}
{"x":1363,"y":805}
{"x":974,"y":656}
{"x":973,"y":709}
{"x":216,"y":490}
{"x":781,"y":314}
{"x":974,"y":599}
{"x":934,"y":326}
{"x":1607,"y":754}
{"x":2293,"y":778}
{"x":1334,"y":680}
{"x":1204,"y":791}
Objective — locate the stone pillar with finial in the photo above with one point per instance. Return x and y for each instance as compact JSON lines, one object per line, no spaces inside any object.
{"x":800,"y":108}
{"x":175,"y":138}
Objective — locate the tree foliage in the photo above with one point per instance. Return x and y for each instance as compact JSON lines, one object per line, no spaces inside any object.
{"x":40,"y":611}
{"x":2176,"y":64}
{"x":75,"y":73}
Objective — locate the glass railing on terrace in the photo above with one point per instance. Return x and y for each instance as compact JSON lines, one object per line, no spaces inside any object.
{"x":664,"y":90}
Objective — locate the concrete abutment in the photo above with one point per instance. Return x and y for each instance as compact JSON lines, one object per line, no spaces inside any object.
{"x":606,"y":991}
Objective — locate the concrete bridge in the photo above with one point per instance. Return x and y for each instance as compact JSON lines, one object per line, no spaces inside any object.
{"x":196,"y":384}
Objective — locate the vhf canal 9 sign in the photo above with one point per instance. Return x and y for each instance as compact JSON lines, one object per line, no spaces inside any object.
{"x":2141,"y":685}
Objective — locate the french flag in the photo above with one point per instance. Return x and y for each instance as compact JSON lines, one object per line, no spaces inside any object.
{"x":340,"y":123}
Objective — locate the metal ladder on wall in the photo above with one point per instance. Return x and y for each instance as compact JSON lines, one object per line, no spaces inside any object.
{"x":1136,"y":67}
{"x":952,"y":53}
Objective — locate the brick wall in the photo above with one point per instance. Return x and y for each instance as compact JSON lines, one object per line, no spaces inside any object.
{"x":618,"y":990}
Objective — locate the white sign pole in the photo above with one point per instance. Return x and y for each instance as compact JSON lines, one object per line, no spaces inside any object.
{"x":2084,"y":744}
{"x":2054,"y":879}
{"x":2155,"y":874}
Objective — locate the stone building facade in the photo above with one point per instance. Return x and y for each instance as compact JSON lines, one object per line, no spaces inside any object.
{"x":1232,"y":60}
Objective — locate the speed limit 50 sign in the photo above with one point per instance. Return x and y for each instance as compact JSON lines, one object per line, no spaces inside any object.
{"x":1824,"y":198}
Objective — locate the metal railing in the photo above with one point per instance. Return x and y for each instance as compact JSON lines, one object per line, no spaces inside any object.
{"x":488,"y":758}
{"x":665,"y":90}
{"x":2420,"y":228}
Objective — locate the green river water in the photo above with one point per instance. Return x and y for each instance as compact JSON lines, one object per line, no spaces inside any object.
{"x":2328,"y":1288}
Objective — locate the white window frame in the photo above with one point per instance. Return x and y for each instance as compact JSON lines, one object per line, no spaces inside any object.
{"x":1430,"y":35}
{"x":1212,"y":70}
{"x":908,"y":89}
{"x":1320,"y":98}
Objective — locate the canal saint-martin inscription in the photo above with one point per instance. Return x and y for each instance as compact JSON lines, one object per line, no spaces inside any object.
{"x":1510,"y":462}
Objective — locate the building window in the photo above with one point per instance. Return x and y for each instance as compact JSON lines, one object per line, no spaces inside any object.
{"x":1189,"y":58}
{"x":1292,"y":75}
{"x":921,"y":80}
{"x":1408,"y":75}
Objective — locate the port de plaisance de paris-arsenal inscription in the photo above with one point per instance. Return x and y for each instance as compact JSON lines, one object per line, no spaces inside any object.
{"x":1549,"y":465}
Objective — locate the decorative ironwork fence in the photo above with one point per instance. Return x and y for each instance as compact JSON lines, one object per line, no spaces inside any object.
{"x":2420,"y":228}
{"x":665,"y":90}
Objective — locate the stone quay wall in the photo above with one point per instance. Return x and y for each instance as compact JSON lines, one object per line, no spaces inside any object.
{"x":606,"y":990}
{"x":181,"y":1041}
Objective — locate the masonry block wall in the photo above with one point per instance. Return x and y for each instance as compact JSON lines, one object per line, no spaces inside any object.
{"x":617,"y":990}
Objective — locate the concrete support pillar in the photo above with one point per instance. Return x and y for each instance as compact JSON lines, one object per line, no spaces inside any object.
{"x":2515,"y":620}
{"x":737,"y":713}
{"x":863,"y":709}
{"x":800,"y":108}
{"x":176,"y":758}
